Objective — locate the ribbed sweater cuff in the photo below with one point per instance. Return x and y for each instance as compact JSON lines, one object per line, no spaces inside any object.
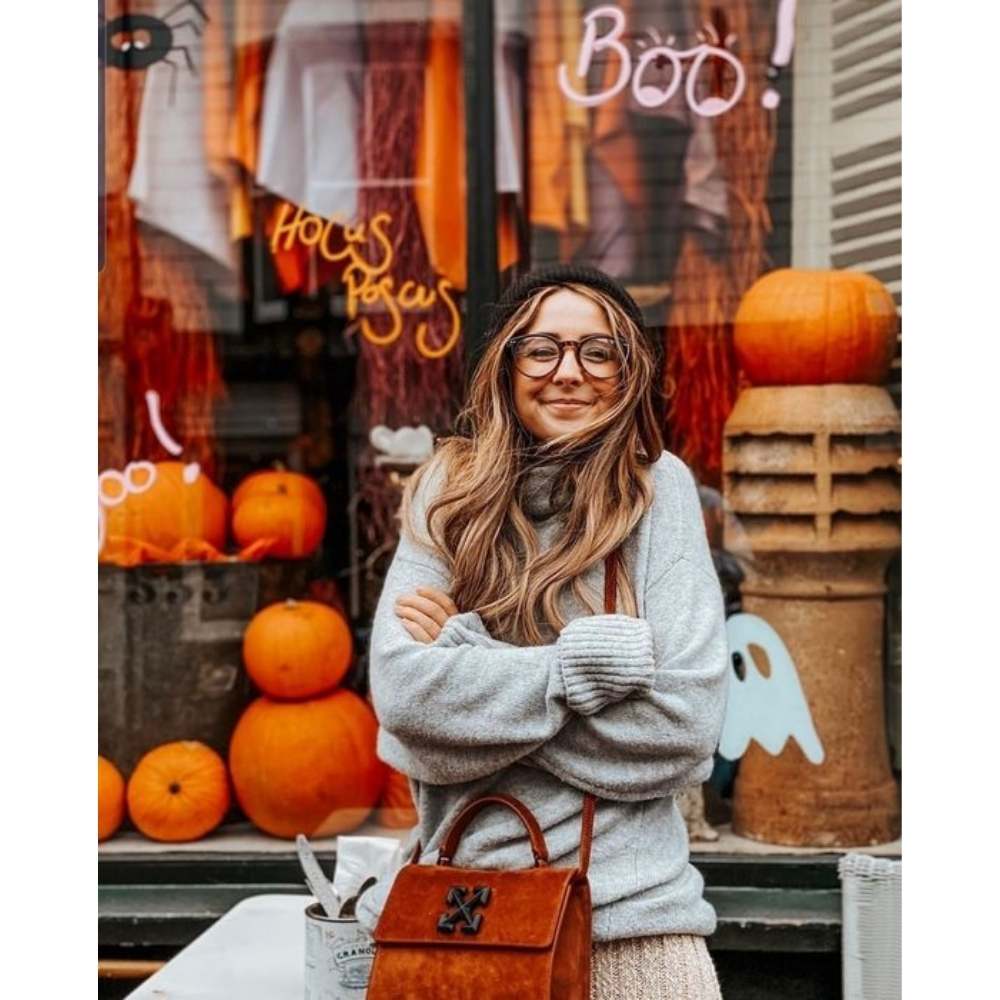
{"x":466,"y":629}
{"x":604,"y":658}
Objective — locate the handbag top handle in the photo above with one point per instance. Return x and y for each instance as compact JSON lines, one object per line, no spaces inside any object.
{"x":535,"y":834}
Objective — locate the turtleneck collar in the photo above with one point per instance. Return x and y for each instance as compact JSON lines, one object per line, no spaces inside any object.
{"x":539,"y":483}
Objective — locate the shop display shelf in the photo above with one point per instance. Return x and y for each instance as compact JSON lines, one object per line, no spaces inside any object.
{"x":154,"y":899}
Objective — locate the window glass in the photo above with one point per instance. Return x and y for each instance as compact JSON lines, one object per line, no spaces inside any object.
{"x":282,"y":335}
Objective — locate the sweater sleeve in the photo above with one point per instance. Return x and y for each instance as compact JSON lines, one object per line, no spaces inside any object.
{"x":453,"y":711}
{"x":664,"y":739}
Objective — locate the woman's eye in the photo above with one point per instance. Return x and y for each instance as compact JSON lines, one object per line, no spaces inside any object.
{"x":542,"y":353}
{"x":597,"y":352}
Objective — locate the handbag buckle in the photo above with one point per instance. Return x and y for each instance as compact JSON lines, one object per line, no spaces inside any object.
{"x":461,"y":914}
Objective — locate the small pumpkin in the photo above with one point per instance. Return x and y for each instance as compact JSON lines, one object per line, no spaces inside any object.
{"x":284,"y":506}
{"x":171,"y":502}
{"x":800,"y":327}
{"x":297,"y":649}
{"x":178,"y":791}
{"x":395,"y":807}
{"x":269,"y":481}
{"x":307,"y":766}
{"x":110,"y":798}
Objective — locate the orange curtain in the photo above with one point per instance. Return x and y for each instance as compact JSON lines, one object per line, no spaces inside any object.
{"x":440,"y":163}
{"x":253,"y":30}
{"x":548,"y":173}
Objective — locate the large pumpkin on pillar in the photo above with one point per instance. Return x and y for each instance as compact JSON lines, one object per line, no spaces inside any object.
{"x":307,"y":766}
{"x":800,"y":327}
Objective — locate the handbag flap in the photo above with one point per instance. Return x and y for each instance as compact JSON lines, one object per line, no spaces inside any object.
{"x":520,"y":908}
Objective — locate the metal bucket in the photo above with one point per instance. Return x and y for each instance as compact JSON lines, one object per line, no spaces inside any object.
{"x":170,"y":639}
{"x":339,"y":956}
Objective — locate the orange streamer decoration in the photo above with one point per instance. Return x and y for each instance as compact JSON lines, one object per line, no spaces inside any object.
{"x":441,"y":191}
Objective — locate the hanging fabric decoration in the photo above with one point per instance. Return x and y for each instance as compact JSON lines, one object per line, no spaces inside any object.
{"x":577,"y":121}
{"x":179,"y":183}
{"x":700,"y":370}
{"x":399,"y":384}
{"x":549,"y":177}
{"x":253,"y":30}
{"x":140,"y":345}
{"x":312,"y":112}
{"x":441,"y":190}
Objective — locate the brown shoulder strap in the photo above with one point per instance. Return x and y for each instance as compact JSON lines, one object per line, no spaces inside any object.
{"x":589,"y":802}
{"x":611,"y":583}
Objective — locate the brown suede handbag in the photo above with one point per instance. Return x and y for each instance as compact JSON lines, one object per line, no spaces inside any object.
{"x":491,"y":934}
{"x":522,"y":934}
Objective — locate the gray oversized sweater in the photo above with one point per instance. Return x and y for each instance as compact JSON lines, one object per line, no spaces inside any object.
{"x":627,"y":708}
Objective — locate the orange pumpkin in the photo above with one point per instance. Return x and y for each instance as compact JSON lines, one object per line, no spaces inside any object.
{"x":297,"y":649}
{"x":110,"y":798}
{"x":797,"y":327}
{"x":178,"y":791}
{"x":271,"y":481}
{"x":307,"y":766}
{"x":284,"y":506}
{"x":182,"y":503}
{"x":395,"y":808}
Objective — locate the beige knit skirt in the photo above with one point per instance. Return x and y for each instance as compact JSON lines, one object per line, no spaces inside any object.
{"x":661,"y":967}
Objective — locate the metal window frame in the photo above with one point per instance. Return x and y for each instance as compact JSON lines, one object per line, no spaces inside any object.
{"x":480,"y":167}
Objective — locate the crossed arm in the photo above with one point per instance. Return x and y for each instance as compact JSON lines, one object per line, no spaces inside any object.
{"x":628,"y":708}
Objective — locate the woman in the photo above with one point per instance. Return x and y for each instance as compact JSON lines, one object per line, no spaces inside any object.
{"x":492,"y":665}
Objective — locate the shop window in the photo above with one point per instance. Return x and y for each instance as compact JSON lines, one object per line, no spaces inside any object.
{"x":285,"y":322}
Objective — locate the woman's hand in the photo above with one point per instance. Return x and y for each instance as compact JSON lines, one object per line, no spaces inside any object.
{"x":424,"y":613}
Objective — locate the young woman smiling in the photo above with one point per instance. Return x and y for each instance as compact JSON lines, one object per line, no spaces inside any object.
{"x":492,"y":666}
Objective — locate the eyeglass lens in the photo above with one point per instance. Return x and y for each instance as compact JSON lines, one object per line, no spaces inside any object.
{"x":538,"y":356}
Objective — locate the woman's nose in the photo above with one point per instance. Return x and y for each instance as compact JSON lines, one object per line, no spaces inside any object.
{"x":568,"y":370}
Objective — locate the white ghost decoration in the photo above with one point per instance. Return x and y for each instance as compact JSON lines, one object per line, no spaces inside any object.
{"x":766,"y":709}
{"x":408,"y":444}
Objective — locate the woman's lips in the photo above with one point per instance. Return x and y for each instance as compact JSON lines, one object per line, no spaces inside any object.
{"x":566,"y":405}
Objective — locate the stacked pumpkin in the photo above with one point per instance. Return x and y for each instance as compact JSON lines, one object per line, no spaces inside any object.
{"x":302,"y":757}
{"x":286,"y":507}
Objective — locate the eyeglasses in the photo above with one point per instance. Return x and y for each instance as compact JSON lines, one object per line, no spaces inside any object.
{"x":538,"y":355}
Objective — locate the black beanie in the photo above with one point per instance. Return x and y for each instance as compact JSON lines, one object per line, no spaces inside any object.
{"x":559,"y":274}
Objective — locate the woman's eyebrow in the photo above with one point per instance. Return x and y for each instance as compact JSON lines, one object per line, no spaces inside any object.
{"x":552,"y":333}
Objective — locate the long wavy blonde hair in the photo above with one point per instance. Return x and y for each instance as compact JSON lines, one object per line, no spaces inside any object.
{"x":602,"y":486}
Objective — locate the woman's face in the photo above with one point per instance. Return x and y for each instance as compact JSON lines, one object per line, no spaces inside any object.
{"x":568,"y":399}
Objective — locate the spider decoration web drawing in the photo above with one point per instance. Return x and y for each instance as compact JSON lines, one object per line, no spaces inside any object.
{"x":138,"y":41}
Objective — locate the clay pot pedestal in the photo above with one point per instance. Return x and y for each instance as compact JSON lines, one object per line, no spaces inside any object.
{"x":811,"y":483}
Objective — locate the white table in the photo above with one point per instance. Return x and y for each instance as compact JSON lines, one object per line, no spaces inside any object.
{"x":256,"y":951}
